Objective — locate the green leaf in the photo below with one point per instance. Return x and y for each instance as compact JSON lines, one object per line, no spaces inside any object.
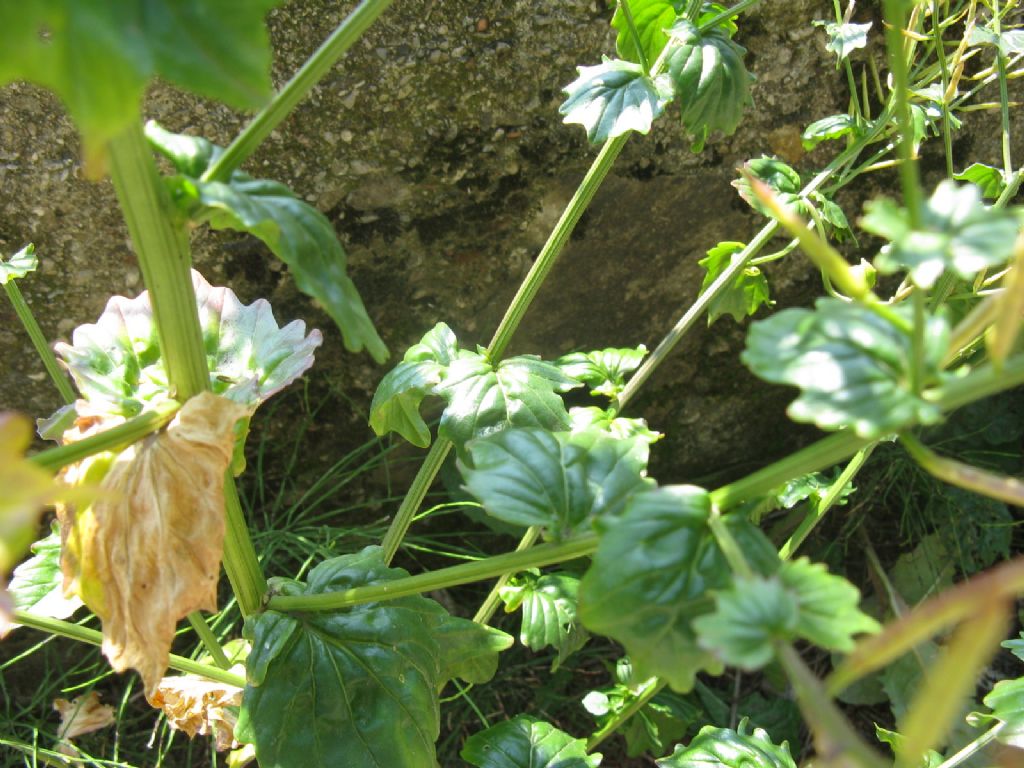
{"x":1007,"y":704}
{"x":813,"y":487}
{"x":593,"y":419}
{"x":560,"y":481}
{"x":932,"y":759}
{"x":652,"y":729}
{"x":98,"y":56}
{"x":748,"y":619}
{"x":781,"y":178}
{"x":604,"y":370}
{"x":526,"y":742}
{"x":296,"y":232}
{"x":359,"y":686}
{"x":651,"y":576}
{"x":851,"y":366}
{"x":1015,"y":646}
{"x":957,"y":233}
{"x":723,"y":747}
{"x":711,"y":83}
{"x":1009,"y":42}
{"x":548,"y":605}
{"x":748,"y":291}
{"x":988,"y":179}
{"x":828,"y":129}
{"x":828,"y":606}
{"x":844,"y":39}
{"x":20,"y":264}
{"x":37,"y":585}
{"x":117,"y":367}
{"x":613,"y":98}
{"x":652,"y":18}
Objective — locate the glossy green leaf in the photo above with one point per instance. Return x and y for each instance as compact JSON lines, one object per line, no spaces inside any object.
{"x":651,"y":730}
{"x":117,"y":367}
{"x":652,"y":574}
{"x":37,"y":585}
{"x":605,"y":422}
{"x":813,"y":487}
{"x":1015,"y":646}
{"x":296,"y":232}
{"x":781,"y":178}
{"x":851,"y":366}
{"x":98,"y":56}
{"x":1008,"y":42}
{"x":988,"y":179}
{"x":828,"y":129}
{"x":652,"y":18}
{"x":557,"y":480}
{"x":359,"y":686}
{"x":828,"y":605}
{"x":603,"y":370}
{"x":844,"y":39}
{"x":1006,"y":700}
{"x":742,"y":748}
{"x":957,"y":233}
{"x":526,"y":742}
{"x":711,"y":83}
{"x":548,"y":605}
{"x":748,"y":291}
{"x":613,"y":98}
{"x":20,"y":264}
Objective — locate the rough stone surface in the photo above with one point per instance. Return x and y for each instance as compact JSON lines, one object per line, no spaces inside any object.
{"x":436,"y":149}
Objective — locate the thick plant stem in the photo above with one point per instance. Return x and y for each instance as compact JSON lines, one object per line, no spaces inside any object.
{"x":209,"y":640}
{"x":1004,"y":96}
{"x":490,"y":605}
{"x":467,"y":573}
{"x":161,"y":244}
{"x":116,"y":438}
{"x":414,"y":497}
{"x":296,"y":89}
{"x":651,"y":688}
{"x":92,"y":637}
{"x":240,"y":562}
{"x":35,"y":333}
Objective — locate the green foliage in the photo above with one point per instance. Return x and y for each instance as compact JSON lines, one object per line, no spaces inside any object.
{"x":711,"y":83}
{"x":850,"y":364}
{"x":593,"y":419}
{"x":37,"y":585}
{"x":557,"y":480}
{"x":651,"y":730}
{"x":548,"y":606}
{"x":844,"y":39}
{"x":988,"y":179}
{"x":651,"y":577}
{"x":780,"y":177}
{"x":482,"y":397}
{"x":613,"y":98}
{"x":603,"y":370}
{"x":727,"y":748}
{"x":932,"y":759}
{"x":747,"y":292}
{"x":357,"y":687}
{"x":828,"y":129}
{"x":98,"y":56}
{"x":1008,"y":42}
{"x":296,"y":232}
{"x":1007,"y":704}
{"x":653,"y":19}
{"x":957,"y":233}
{"x":20,"y":264}
{"x":526,"y":742}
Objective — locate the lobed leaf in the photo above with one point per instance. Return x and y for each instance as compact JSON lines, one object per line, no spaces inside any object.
{"x":845,"y":38}
{"x":98,"y":57}
{"x":851,"y":366}
{"x":742,"y":748}
{"x":780,"y":177}
{"x":548,"y":606}
{"x":296,"y":232}
{"x":957,"y":233}
{"x":557,"y":480}
{"x":592,"y":419}
{"x":613,"y":98}
{"x":22,"y":263}
{"x":711,"y":82}
{"x":37,"y":585}
{"x":651,"y":576}
{"x":604,"y":370}
{"x":526,"y":742}
{"x":748,"y":291}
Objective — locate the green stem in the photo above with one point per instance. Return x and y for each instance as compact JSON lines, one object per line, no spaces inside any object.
{"x":414,"y":497}
{"x":940,"y":51}
{"x":1004,"y":96}
{"x":971,"y":749}
{"x":981,"y":382}
{"x":650,"y":689}
{"x":729,"y":546}
{"x":490,"y":605}
{"x":161,"y":243}
{"x":627,"y":14}
{"x":35,"y":333}
{"x":92,"y":637}
{"x":466,"y":573}
{"x":240,"y":562}
{"x":116,"y":438}
{"x":208,"y":639}
{"x":818,"y":511}
{"x":909,"y":178}
{"x":917,"y":342}
{"x":296,"y":89}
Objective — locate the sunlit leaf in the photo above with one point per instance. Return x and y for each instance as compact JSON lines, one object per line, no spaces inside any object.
{"x":37,"y":585}
{"x":603,"y":370}
{"x":828,"y":129}
{"x":526,"y":742}
{"x":613,"y":98}
{"x":548,"y":605}
{"x":147,"y":552}
{"x":988,"y":179}
{"x":828,"y":612}
{"x":652,"y":730}
{"x":957,"y":232}
{"x":20,"y":264}
{"x":780,"y":177}
{"x":851,"y":365}
{"x":358,"y":686}
{"x":652,"y":19}
{"x":747,"y":292}
{"x":1008,"y":42}
{"x":726,"y":748}
{"x":844,"y":39}
{"x":593,"y":419}
{"x":711,"y":83}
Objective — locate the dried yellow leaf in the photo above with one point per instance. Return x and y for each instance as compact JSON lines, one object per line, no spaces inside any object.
{"x":196,"y":705}
{"x":80,"y":716}
{"x":147,"y":552}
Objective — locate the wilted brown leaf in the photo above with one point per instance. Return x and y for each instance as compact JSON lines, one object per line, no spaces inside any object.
{"x":147,"y":553}
{"x":80,"y":716}
{"x":196,"y":705}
